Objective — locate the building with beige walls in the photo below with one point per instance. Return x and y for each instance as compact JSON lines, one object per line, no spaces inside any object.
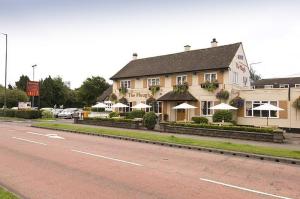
{"x":167,"y":80}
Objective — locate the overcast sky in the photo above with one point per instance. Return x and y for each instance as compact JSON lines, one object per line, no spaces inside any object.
{"x":75,"y":39}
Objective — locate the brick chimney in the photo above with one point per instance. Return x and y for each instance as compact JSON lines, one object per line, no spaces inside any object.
{"x":214,"y":43}
{"x":187,"y":48}
{"x":134,"y":56}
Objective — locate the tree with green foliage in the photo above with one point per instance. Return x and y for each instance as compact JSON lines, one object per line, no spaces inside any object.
{"x":53,"y":91}
{"x":13,"y":96}
{"x":22,"y":83}
{"x":91,"y":89}
{"x":253,"y":75}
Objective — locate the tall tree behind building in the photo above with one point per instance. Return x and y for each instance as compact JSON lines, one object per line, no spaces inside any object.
{"x":22,"y":83}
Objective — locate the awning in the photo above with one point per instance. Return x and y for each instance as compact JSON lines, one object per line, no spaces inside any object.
{"x":175,"y":96}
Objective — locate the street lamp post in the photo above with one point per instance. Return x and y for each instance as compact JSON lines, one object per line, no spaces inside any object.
{"x":33,"y":67}
{"x":5,"y":84}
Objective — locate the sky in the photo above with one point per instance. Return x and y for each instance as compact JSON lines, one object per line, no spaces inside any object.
{"x":76,"y":39}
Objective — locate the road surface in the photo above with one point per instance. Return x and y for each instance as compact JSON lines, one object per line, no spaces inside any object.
{"x":44,"y":164}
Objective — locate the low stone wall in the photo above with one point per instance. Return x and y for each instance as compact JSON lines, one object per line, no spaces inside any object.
{"x":266,"y":137}
{"x":117,"y":124}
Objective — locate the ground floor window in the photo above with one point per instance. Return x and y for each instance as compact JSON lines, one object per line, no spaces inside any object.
{"x":127,"y":109}
{"x":256,"y":113}
{"x":205,"y":108}
{"x":156,"y":107}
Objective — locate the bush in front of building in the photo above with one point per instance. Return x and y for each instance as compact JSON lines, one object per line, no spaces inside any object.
{"x":98,"y":110}
{"x":113,"y":114}
{"x":221,"y":115}
{"x":297,"y":103}
{"x":200,"y":120}
{"x":136,"y":114}
{"x":150,"y":120}
{"x":47,"y":114}
{"x":25,"y":114}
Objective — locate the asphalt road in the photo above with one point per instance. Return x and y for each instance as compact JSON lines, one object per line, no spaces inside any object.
{"x":34,"y":163}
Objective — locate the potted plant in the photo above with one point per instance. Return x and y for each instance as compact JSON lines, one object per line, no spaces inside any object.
{"x":210,"y":86}
{"x":237,"y":102}
{"x":181,"y":88}
{"x":123,"y":90}
{"x":154,"y":89}
{"x":222,"y":95}
{"x":297,"y":103}
{"x":113,"y":97}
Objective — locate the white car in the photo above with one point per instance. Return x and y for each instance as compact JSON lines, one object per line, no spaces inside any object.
{"x":68,"y":113}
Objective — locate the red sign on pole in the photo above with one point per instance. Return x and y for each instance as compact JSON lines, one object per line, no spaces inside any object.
{"x":33,"y":88}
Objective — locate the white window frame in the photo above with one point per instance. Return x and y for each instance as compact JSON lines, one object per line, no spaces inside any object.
{"x":180,"y":82}
{"x":208,"y":108}
{"x":261,"y":102}
{"x":235,"y":78}
{"x":125,"y":83}
{"x":284,"y":85}
{"x":297,"y":85}
{"x":245,"y":80}
{"x":210,"y":77}
{"x":268,"y":86}
{"x":151,"y":80}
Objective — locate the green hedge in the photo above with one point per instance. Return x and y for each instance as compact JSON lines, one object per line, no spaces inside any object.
{"x":234,"y":128}
{"x":200,"y":120}
{"x":136,"y":114}
{"x":25,"y":114}
{"x":110,"y":119}
{"x":113,"y":114}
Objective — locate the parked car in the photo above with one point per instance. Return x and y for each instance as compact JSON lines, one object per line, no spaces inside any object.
{"x":68,"y":113}
{"x":56,"y":112}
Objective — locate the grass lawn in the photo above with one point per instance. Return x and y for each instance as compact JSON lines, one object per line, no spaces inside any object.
{"x":278,"y":152}
{"x":6,"y":195}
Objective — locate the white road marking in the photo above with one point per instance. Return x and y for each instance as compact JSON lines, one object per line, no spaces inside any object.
{"x":54,"y":136}
{"x":29,"y":141}
{"x":114,"y":159}
{"x":244,"y":189}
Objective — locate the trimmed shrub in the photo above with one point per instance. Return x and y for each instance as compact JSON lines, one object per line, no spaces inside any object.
{"x":111,"y":119}
{"x":113,"y":114}
{"x":224,"y":127}
{"x":136,"y":114}
{"x":47,"y":114}
{"x":200,"y":120}
{"x":222,"y":115}
{"x":7,"y":113}
{"x":150,"y":120}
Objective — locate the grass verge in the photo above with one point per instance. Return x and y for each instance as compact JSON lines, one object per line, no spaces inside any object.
{"x":11,"y":119}
{"x":261,"y":150}
{"x":6,"y":195}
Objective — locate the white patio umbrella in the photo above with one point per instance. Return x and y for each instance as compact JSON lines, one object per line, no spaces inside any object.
{"x":119,"y":105}
{"x":99,"y":105}
{"x":223,"y":106}
{"x":140,"y":106}
{"x":185,"y":106}
{"x":268,"y":107}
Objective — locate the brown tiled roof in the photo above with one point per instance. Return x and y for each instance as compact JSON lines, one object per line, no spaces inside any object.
{"x":276,"y":81}
{"x":105,"y":95}
{"x":194,"y":60}
{"x":175,"y":96}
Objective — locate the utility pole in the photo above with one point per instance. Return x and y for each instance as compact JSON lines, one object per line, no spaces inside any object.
{"x":33,"y":80}
{"x":5,"y":84}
